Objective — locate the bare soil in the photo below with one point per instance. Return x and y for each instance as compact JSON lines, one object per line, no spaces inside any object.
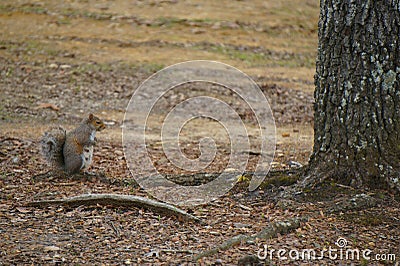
{"x":60,"y":60}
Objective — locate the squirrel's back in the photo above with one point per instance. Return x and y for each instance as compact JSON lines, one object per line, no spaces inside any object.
{"x":52,"y":146}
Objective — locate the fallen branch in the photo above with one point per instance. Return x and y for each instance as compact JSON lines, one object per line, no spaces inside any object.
{"x":119,"y":200}
{"x":355,"y":203}
{"x":268,"y":232}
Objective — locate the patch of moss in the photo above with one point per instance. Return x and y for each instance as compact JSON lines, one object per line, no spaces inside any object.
{"x":279,"y":179}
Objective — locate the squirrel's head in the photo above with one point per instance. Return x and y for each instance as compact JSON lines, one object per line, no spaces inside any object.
{"x":96,"y":122}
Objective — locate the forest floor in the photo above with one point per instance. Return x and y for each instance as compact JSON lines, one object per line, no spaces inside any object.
{"x":61,"y":60}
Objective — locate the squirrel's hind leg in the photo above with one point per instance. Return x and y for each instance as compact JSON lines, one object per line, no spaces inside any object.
{"x":73,"y":163}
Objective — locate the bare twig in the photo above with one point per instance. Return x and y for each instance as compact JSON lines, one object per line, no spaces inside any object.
{"x":344,"y":186}
{"x":116,"y":231}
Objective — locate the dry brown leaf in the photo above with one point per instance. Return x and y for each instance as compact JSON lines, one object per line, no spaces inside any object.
{"x":23,"y":210}
{"x":51,"y":248}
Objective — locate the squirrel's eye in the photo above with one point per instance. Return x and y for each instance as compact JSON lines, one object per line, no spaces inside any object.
{"x":97,"y":122}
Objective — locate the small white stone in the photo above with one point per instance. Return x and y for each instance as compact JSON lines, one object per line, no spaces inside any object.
{"x":65,"y":66}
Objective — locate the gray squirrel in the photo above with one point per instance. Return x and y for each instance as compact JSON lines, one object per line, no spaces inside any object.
{"x":71,"y":152}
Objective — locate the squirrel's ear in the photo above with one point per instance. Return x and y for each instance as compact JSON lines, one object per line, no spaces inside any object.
{"x":90,"y":116}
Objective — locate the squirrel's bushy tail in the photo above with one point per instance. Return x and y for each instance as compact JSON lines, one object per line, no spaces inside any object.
{"x":52,"y":144}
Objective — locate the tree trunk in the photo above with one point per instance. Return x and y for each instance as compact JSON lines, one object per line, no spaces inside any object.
{"x":357,"y":96}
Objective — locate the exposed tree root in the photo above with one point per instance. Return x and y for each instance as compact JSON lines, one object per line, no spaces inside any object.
{"x":309,"y":180}
{"x":120,"y":200}
{"x":355,"y":203}
{"x":270,"y":231}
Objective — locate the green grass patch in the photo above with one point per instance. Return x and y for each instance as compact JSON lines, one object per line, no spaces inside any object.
{"x":117,"y":66}
{"x":34,"y":9}
{"x":253,"y":58}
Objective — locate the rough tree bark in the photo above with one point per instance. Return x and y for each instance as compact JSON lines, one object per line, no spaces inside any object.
{"x":357,"y":95}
